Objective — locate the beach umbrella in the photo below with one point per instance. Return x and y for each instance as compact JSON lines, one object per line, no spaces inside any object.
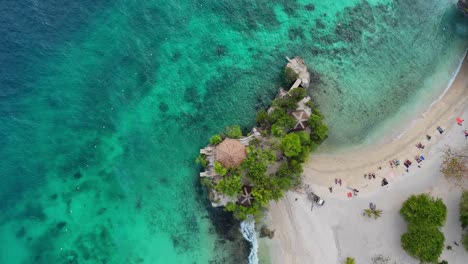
{"x":350,"y":195}
{"x":459,"y":120}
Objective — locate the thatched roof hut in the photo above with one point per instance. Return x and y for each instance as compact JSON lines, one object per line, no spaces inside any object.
{"x":246,"y":199}
{"x":230,"y":153}
{"x":301,"y":119}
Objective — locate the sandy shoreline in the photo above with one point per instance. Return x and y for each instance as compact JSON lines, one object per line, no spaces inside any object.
{"x":327,"y":233}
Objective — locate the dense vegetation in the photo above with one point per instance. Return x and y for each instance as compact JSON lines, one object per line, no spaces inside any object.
{"x":274,"y":161}
{"x":464,"y":218}
{"x":350,"y":260}
{"x":424,"y":215}
{"x":455,"y":163}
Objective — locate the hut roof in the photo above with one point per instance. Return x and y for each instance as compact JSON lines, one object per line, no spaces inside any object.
{"x":246,"y":198}
{"x":301,"y":119}
{"x":230,"y":153}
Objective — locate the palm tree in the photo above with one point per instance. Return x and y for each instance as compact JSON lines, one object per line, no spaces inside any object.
{"x":369,"y":213}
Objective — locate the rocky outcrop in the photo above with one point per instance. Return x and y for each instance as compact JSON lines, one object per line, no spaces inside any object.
{"x":298,"y":66}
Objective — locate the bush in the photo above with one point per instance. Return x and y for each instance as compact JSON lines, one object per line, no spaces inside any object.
{"x":286,"y":103}
{"x":276,"y":115}
{"x":241,"y":212}
{"x":283,"y":125}
{"x":350,"y":260}
{"x":291,"y":145}
{"x":234,"y":131}
{"x":464,"y":209}
{"x":319,"y":131}
{"x":219,"y":168}
{"x":424,"y":243}
{"x":205,"y":181}
{"x":262,"y":118}
{"x":278,"y":131}
{"x":424,"y":215}
{"x":290,"y":76}
{"x":201,"y":159}
{"x":465,"y":241}
{"x":298,"y":94}
{"x":423,"y":210}
{"x":216,"y":139}
{"x":230,"y":185}
{"x":289,"y":174}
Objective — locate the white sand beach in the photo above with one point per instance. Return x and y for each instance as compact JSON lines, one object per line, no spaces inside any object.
{"x":329,"y":234}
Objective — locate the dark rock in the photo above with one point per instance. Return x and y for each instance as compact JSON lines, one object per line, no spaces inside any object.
{"x":266,"y":232}
{"x":310,"y":7}
{"x":60,"y":225}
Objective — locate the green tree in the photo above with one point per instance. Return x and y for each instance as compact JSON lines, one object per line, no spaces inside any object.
{"x":423,"y":210}
{"x":290,"y":76}
{"x":291,"y":145}
{"x":289,"y":174}
{"x":278,"y":131}
{"x":241,"y":212}
{"x":298,"y":94}
{"x":369,"y":213}
{"x":286,"y":103}
{"x":350,"y":261}
{"x":283,"y":125}
{"x":262,"y":118}
{"x":216,"y":139}
{"x":276,"y":114}
{"x":464,"y":209}
{"x":465,"y":241}
{"x":319,"y":131}
{"x":201,"y":159}
{"x":219,"y":168}
{"x":424,"y":243}
{"x":234,"y":131}
{"x":230,"y":184}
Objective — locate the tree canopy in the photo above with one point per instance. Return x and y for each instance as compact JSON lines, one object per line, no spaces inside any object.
{"x":216,"y":139}
{"x":290,"y":76}
{"x":424,"y":210}
{"x":424,"y":243}
{"x":424,"y":215}
{"x":219,"y":168}
{"x":230,"y":184}
{"x":464,"y":217}
{"x":464,"y":209}
{"x":291,"y":145}
{"x":234,"y":131}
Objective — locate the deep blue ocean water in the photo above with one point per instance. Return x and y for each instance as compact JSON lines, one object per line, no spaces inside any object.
{"x":104,"y":105}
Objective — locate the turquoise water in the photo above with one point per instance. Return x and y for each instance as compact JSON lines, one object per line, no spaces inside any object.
{"x":105,"y":105}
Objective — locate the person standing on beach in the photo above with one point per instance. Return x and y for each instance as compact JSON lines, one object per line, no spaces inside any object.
{"x":331,"y":189}
{"x":466,"y":133}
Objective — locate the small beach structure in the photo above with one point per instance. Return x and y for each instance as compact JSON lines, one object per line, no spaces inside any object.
{"x":246,"y":198}
{"x":301,"y":119}
{"x":230,"y":153}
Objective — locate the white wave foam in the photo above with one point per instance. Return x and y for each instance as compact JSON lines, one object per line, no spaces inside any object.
{"x":247,"y":228}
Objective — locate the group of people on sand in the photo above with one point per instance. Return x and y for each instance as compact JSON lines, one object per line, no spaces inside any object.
{"x":337,"y":181}
{"x":369,"y":176}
